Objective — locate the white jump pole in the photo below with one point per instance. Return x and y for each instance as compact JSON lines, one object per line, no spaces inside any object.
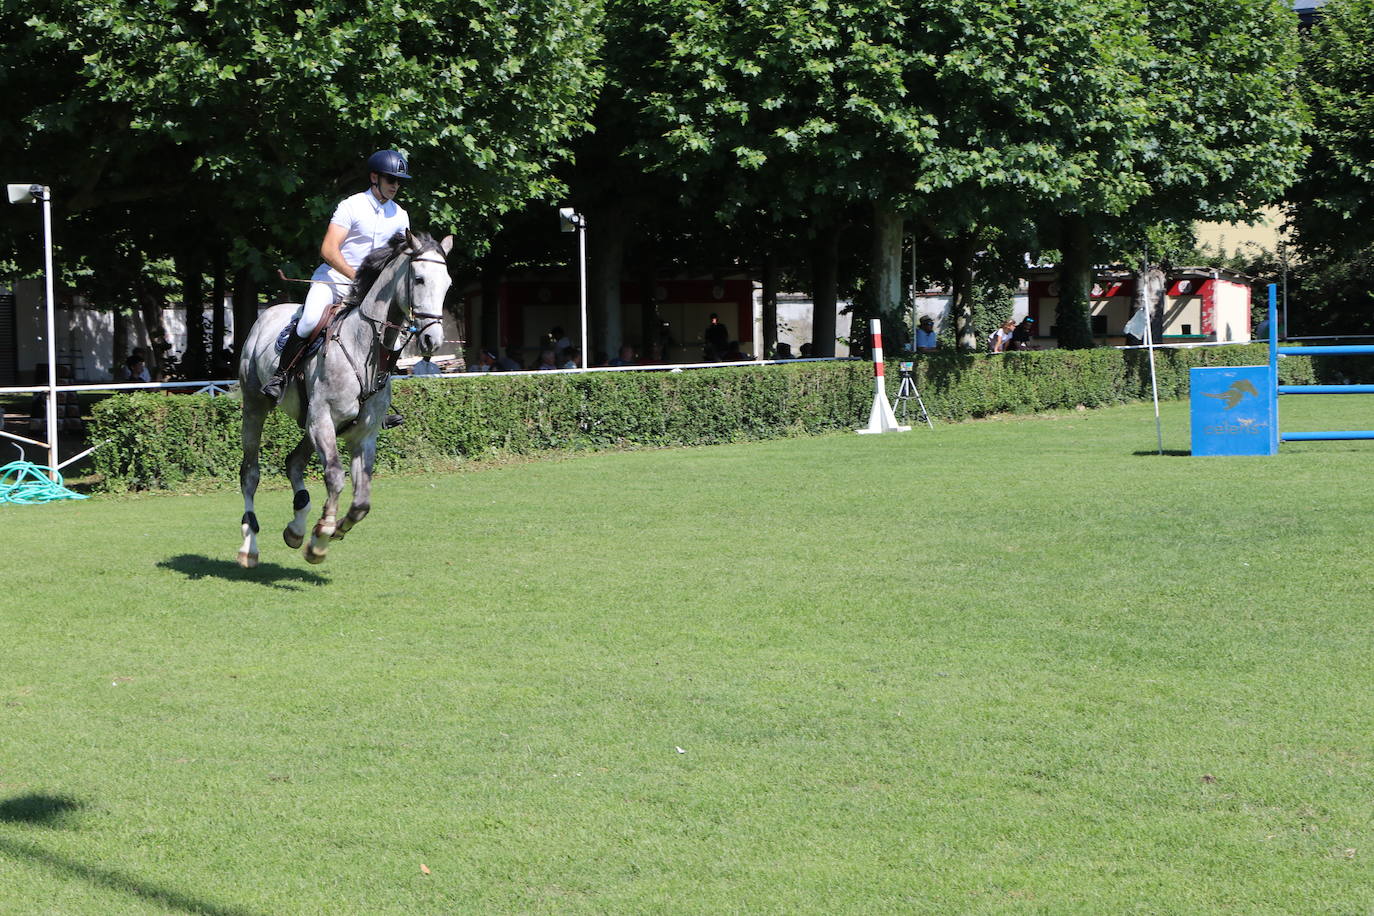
{"x":881,"y":419}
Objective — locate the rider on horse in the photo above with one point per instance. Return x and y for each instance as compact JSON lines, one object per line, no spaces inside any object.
{"x":361,"y":224}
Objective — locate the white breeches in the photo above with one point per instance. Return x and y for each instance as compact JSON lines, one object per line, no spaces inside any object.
{"x":329,"y":286}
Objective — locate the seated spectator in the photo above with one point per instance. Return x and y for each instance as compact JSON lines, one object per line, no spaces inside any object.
{"x":1000,"y":339}
{"x":486,"y":362}
{"x":733,"y":353}
{"x":925,"y":335}
{"x":626,"y":357}
{"x":807,"y":350}
{"x":1021,"y":336}
{"x":568,"y":357}
{"x":547,"y":359}
{"x":511,"y":362}
{"x":782,"y":351}
{"x":135,"y":368}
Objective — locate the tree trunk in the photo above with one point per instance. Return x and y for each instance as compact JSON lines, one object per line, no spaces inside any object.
{"x":218,"y":366}
{"x":961,"y":292}
{"x":121,"y":339}
{"x":769,"y":294}
{"x":493,"y":268}
{"x":825,"y":273}
{"x":150,"y":305}
{"x":245,"y":309}
{"x":193,"y":361}
{"x":885,"y":261}
{"x":1073,"y":315}
{"x":1150,"y":287}
{"x":606,"y":230}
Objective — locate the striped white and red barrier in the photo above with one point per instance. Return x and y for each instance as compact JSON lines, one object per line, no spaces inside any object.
{"x":881,"y":419}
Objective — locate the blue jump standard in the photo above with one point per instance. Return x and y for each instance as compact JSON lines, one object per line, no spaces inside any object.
{"x":1275,"y":351}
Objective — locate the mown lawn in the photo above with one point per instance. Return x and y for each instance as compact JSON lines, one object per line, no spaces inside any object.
{"x":1020,"y":665}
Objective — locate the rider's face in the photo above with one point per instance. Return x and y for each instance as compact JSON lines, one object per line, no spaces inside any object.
{"x":386,"y":185}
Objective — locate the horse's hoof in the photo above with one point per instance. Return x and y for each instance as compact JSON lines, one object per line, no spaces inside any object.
{"x":314,"y":557}
{"x":247,"y":560}
{"x":337,"y":535}
{"x":292,"y":539}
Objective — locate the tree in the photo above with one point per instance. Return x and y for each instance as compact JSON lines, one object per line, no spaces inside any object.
{"x":1331,"y":208}
{"x":238,"y":126}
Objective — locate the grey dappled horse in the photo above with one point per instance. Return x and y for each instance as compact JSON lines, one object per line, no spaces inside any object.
{"x":342,"y":392}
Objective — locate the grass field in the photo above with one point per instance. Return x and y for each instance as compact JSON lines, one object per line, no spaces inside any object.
{"x":1010,"y":666}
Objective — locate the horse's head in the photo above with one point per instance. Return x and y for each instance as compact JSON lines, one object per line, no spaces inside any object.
{"x":428,"y":284}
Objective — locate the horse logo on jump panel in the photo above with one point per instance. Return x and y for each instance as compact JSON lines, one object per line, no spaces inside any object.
{"x":1233,"y":395}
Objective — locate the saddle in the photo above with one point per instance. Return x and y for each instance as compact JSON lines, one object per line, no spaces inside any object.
{"x":317,"y":336}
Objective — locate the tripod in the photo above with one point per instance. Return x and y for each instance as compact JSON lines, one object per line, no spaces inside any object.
{"x":905,"y":393}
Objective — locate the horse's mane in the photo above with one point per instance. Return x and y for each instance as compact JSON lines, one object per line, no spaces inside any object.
{"x":376,"y":262}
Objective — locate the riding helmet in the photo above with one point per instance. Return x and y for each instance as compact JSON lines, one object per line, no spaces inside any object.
{"x":388,"y":162}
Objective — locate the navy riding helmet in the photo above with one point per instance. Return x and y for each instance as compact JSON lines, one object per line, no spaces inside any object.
{"x":388,"y":162}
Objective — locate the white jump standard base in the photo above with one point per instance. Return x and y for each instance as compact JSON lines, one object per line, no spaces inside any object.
{"x":881,"y":419}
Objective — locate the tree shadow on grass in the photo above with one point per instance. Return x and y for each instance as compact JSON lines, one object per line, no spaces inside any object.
{"x":272,"y":575}
{"x":58,"y":811}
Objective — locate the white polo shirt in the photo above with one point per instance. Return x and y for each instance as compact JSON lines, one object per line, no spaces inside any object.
{"x":370,"y":224}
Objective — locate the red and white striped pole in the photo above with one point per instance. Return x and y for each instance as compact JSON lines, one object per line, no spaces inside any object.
{"x":881,"y":419}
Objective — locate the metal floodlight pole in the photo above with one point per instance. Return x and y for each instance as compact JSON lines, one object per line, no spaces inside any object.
{"x":572,"y":221}
{"x":28,"y":193}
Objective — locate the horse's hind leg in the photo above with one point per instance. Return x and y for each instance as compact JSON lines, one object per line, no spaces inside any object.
{"x":249,"y":474}
{"x":322,"y":432}
{"x":364,"y":459}
{"x":294,"y":533}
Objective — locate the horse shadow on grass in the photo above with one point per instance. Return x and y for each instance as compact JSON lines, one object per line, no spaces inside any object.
{"x":195,"y":566}
{"x":1167,"y":453}
{"x":59,"y":812}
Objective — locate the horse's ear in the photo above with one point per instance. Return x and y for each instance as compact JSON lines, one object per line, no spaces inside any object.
{"x":412,"y":243}
{"x":447,"y":244}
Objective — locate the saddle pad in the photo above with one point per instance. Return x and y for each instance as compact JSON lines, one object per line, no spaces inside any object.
{"x":290,"y":329}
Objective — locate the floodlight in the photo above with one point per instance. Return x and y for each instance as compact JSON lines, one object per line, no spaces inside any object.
{"x":569,"y":220}
{"x":24,"y":193}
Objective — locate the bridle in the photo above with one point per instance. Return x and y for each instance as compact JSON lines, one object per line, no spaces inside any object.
{"x":418,"y":322}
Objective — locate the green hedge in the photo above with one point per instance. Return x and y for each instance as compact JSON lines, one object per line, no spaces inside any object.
{"x":158,"y":440}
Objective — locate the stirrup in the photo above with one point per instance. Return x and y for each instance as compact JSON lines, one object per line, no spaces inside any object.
{"x":275,"y":385}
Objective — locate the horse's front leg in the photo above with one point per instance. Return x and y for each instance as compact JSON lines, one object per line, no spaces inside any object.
{"x":326,"y":443}
{"x":364,"y":459}
{"x":294,"y":533}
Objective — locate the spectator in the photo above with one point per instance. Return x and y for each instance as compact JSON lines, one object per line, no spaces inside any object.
{"x":567,"y":358}
{"x":547,"y":359}
{"x":717,"y":339}
{"x":486,"y":361}
{"x":806,"y":350}
{"x":626,"y":357}
{"x":782,"y":351}
{"x":135,"y":368}
{"x":925,"y":335}
{"x":558,"y":339}
{"x":511,"y":362}
{"x":1000,"y":339}
{"x":1021,"y":336}
{"x":733,"y":353}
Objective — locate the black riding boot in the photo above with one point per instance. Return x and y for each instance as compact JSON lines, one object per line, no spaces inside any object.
{"x":290,"y":355}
